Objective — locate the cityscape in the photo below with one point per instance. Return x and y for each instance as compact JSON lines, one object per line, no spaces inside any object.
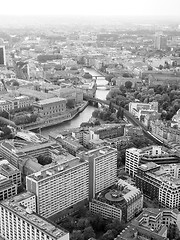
{"x":89,"y":120}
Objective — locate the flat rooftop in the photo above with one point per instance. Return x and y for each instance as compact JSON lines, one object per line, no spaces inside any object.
{"x":53,"y":170}
{"x":6,"y":168}
{"x":50,"y":101}
{"x":34,"y":219}
{"x":100,"y":151}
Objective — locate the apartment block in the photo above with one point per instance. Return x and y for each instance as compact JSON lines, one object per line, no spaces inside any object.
{"x":19,"y":221}
{"x":102,"y":168}
{"x":60,"y":187}
{"x":7,"y":188}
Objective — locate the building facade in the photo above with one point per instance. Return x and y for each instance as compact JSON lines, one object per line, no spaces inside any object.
{"x":59,"y":187}
{"x":20,"y":222}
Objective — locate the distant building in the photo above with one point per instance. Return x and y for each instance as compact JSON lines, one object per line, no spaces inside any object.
{"x":2,"y":56}
{"x":142,"y":109}
{"x":121,"y":201}
{"x":160,"y":41}
{"x":18,"y":220}
{"x":50,"y":107}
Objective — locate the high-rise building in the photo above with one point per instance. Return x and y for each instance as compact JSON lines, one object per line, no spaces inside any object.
{"x":160,"y":41}
{"x":102,"y":169}
{"x":60,"y":187}
{"x":19,"y":221}
{"x":2,"y":56}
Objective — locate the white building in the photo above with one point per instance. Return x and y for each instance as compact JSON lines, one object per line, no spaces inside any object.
{"x":138,"y":108}
{"x":59,"y":187}
{"x":20,"y":222}
{"x":102,"y":168}
{"x":133,"y":156}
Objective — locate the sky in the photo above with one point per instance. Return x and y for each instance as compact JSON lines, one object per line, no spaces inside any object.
{"x":90,"y":7}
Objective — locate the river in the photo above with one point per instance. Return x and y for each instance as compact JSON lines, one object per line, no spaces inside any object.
{"x":86,"y":114}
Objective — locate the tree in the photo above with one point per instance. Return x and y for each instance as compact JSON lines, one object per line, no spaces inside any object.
{"x":4,"y":114}
{"x":120,"y":113}
{"x":88,"y":233}
{"x":44,"y":160}
{"x":70,"y":103}
{"x":128,"y":84}
{"x":108,"y":235}
{"x":77,"y":235}
{"x":87,"y":75}
{"x":95,"y":114}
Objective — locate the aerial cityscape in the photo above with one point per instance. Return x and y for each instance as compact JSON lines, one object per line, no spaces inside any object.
{"x":89,"y":120}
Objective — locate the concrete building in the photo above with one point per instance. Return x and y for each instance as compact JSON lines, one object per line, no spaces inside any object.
{"x":160,"y":41}
{"x":69,"y":93}
{"x":142,"y":109}
{"x":161,"y":183}
{"x":7,"y":188}
{"x":123,"y":200}
{"x":148,"y":225}
{"x":50,"y":107}
{"x":60,"y":187}
{"x":134,"y":155}
{"x":11,"y":172}
{"x":19,"y":221}
{"x":102,"y":168}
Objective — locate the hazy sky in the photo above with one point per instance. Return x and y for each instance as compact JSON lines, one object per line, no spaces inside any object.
{"x":90,"y":7}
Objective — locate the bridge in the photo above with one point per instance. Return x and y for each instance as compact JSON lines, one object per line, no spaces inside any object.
{"x":129,"y":117}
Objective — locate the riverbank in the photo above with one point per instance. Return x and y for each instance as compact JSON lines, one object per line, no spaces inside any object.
{"x":55,"y":120}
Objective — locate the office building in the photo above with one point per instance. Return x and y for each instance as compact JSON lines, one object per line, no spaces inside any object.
{"x":7,"y":188}
{"x":134,"y":155}
{"x":102,"y":168}
{"x":61,"y":187}
{"x":161,"y":183}
{"x":19,"y":221}
{"x":122,"y":200}
{"x":11,"y":172}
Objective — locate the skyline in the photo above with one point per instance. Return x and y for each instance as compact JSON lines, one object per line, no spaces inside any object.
{"x":128,"y":8}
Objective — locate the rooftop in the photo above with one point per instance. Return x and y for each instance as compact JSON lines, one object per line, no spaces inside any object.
{"x":6,"y":168}
{"x":100,"y":151}
{"x":50,"y":100}
{"x":53,"y":170}
{"x":31,"y":217}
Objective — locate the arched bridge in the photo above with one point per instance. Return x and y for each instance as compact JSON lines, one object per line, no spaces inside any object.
{"x":129,"y":116}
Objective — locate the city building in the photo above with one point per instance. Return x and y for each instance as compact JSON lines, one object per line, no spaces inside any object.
{"x":148,"y":225}
{"x":7,"y":188}
{"x":160,"y":183}
{"x":160,"y":41}
{"x":18,"y":220}
{"x":120,"y":201}
{"x":142,"y":109}
{"x":18,"y":151}
{"x":134,"y":155}
{"x":102,"y":168}
{"x":60,"y":188}
{"x":68,"y":142}
{"x":8,"y":103}
{"x":11,"y":172}
{"x":2,"y":56}
{"x":50,"y":107}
